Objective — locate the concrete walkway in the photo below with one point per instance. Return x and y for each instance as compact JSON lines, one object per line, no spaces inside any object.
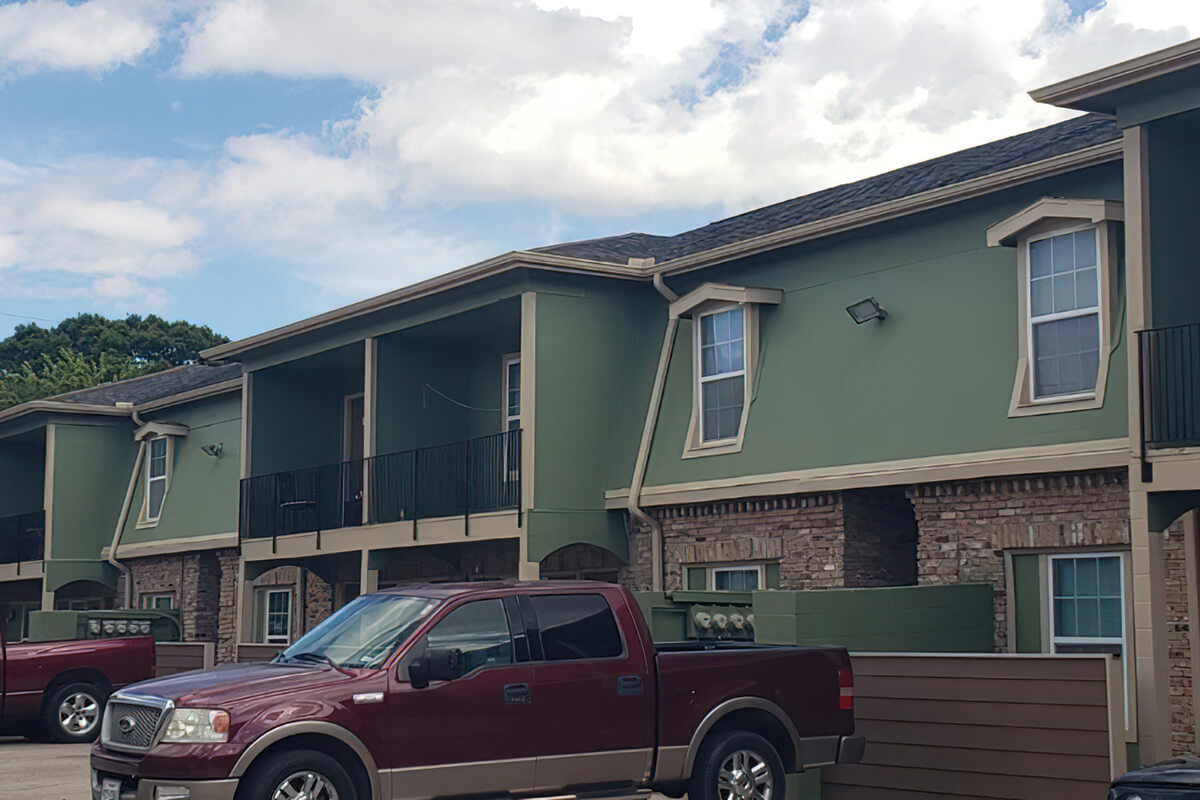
{"x":32,"y":771}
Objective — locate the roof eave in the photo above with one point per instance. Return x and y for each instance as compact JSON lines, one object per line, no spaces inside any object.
{"x":1092,"y":91}
{"x":493,"y":266}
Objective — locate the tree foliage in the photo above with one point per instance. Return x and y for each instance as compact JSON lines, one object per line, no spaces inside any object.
{"x":148,"y":341}
{"x":88,"y":349}
{"x":64,"y":372}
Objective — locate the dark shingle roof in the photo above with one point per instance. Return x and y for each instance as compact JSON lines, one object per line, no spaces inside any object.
{"x":1015,"y":151}
{"x":154,"y":386}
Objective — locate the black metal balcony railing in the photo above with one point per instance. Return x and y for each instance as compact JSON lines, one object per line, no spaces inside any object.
{"x":457,"y":479}
{"x":23,"y":537}
{"x":1170,"y":385}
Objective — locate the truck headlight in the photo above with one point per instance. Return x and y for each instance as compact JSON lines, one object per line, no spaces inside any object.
{"x":196,"y":725}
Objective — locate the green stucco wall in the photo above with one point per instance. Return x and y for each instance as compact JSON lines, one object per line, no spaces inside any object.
{"x":202,"y":498}
{"x":935,"y":378}
{"x":596,"y":353}
{"x":441,"y":383}
{"x":297,"y":410}
{"x":91,"y":461}
{"x":1174,"y":192}
{"x":22,"y":473}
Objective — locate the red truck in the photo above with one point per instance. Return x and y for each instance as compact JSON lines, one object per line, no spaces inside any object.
{"x":530,"y":689}
{"x":58,"y":689}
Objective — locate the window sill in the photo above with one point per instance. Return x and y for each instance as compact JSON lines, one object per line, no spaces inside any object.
{"x":719,"y":448}
{"x":1037,"y":408}
{"x":146,"y":523}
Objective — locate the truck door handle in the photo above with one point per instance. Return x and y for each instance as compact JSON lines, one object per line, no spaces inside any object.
{"x":516,"y":693}
{"x":629,"y":684}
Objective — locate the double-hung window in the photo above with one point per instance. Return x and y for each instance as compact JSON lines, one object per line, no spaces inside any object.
{"x":1064,"y":314}
{"x":156,"y":477}
{"x":1088,"y":610}
{"x":721,"y":345}
{"x":277,"y":616}
{"x":511,"y":409}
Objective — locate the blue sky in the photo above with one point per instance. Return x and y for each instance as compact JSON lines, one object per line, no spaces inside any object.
{"x":245,"y":163}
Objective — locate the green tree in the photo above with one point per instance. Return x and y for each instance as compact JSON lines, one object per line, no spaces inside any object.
{"x":65,"y":372}
{"x":149,"y":341}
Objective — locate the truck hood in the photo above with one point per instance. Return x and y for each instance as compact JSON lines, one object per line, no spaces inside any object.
{"x":233,"y":683}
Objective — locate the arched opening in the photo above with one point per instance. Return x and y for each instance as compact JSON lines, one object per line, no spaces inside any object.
{"x":582,"y":561}
{"x":84,"y":596}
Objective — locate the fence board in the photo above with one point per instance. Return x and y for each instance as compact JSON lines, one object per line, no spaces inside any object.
{"x":1027,"y":727}
{"x":174,"y":657}
{"x":257,"y":652}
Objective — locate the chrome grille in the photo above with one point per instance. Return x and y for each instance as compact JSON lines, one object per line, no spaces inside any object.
{"x":132,"y":724}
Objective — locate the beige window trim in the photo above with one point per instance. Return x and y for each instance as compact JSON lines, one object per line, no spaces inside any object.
{"x":144,"y":518}
{"x":694,"y":447}
{"x":1047,"y":217}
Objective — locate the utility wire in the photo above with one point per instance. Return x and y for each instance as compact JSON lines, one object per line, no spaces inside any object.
{"x":445,"y":396}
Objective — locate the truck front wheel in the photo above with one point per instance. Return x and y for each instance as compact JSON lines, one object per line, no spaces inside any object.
{"x":298,"y":775}
{"x":737,"y":765}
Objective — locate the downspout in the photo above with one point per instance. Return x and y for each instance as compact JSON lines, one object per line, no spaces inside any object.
{"x":121,"y":519}
{"x":643,"y":453}
{"x":124,"y":515}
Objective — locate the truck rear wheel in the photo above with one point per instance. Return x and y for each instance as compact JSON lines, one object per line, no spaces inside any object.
{"x":298,"y":775}
{"x":73,"y":713}
{"x":737,"y":765}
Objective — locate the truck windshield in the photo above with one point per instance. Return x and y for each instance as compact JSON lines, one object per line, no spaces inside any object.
{"x":362,"y":633}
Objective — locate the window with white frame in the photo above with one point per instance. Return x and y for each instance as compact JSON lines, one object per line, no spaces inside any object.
{"x":277,"y":616}
{"x":736,"y":578}
{"x":512,"y":392}
{"x":1064,"y":314}
{"x":156,"y":477}
{"x":1087,"y":610}
{"x":158,"y":601}
{"x":721,"y":351}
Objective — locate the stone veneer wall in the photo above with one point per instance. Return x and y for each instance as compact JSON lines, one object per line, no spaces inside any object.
{"x":1179,"y":645}
{"x":881,"y":538}
{"x":802,"y":532}
{"x":964,"y":527}
{"x":194,"y":579}
{"x":227,"y":615}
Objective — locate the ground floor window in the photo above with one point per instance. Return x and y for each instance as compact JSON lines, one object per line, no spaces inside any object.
{"x":732,"y":577}
{"x":158,"y":601}
{"x":277,"y":616}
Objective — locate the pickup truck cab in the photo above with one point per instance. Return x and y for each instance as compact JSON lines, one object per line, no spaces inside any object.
{"x":483,"y":689}
{"x":58,"y":689}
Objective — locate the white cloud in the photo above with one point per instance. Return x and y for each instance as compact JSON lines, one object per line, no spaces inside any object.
{"x":85,"y":228}
{"x":666,"y":104}
{"x":97,"y":35}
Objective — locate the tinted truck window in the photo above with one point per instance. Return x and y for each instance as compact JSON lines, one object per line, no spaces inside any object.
{"x":479,"y":630}
{"x":576,"y":626}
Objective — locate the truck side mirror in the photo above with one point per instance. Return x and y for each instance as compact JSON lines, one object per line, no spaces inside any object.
{"x":444,"y":664}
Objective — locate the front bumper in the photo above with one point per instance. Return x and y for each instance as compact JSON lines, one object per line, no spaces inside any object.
{"x":154,"y":789}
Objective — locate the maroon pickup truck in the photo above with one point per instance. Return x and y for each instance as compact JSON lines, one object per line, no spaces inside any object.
{"x":483,"y":689}
{"x":58,"y":689}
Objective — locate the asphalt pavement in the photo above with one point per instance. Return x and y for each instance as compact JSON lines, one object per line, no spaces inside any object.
{"x":34,"y":771}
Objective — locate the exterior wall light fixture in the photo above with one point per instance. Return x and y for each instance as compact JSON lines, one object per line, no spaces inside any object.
{"x":866,"y":310}
{"x":214,"y":450}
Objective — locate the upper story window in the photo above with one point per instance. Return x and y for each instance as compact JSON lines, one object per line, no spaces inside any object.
{"x":721,"y":342}
{"x":512,"y":392}
{"x":1064,"y":313}
{"x":1068,"y":270}
{"x":725,"y":330}
{"x":157,"y":469}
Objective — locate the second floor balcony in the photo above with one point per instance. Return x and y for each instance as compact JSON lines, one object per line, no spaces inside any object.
{"x":1170,"y":386}
{"x":451,"y":480}
{"x":23,"y":537}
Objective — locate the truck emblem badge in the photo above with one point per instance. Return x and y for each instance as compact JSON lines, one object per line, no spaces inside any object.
{"x":126,"y":723}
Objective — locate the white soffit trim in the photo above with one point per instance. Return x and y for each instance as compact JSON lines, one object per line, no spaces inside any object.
{"x":160,"y":429}
{"x":1007,"y":232}
{"x":1075,"y":92}
{"x":723,"y":293}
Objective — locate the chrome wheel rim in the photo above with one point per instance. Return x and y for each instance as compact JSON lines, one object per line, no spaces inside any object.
{"x":744,"y":775}
{"x":78,"y":713}
{"x":305,"y":785}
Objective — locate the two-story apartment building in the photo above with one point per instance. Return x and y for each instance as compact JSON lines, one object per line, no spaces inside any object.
{"x":124,"y":495}
{"x":964,"y":370}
